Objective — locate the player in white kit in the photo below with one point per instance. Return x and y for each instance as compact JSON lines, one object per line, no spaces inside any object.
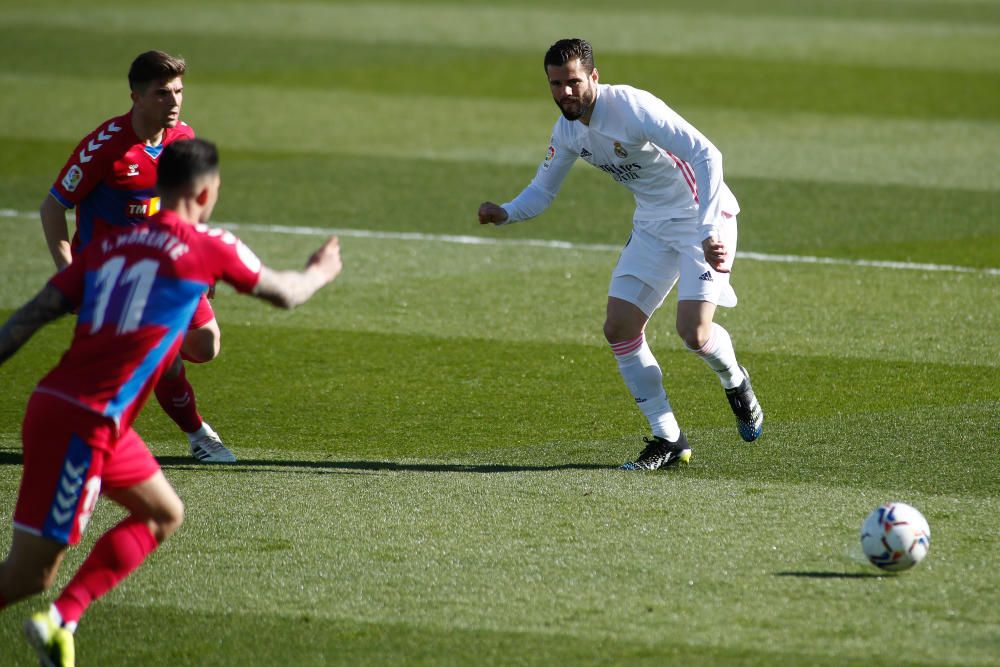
{"x":684,"y":234}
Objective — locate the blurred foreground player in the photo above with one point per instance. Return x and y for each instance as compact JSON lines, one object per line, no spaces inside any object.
{"x":110,"y":180}
{"x":135,"y":291}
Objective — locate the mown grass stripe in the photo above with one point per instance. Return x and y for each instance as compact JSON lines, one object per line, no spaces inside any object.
{"x":690,"y":80}
{"x":829,"y":39}
{"x":564,"y":245}
{"x":798,"y":146}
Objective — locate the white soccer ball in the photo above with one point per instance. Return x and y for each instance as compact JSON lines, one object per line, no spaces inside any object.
{"x":895,"y":537}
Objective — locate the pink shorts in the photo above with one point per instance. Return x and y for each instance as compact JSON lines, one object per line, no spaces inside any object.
{"x":203,"y":314}
{"x":69,"y":454}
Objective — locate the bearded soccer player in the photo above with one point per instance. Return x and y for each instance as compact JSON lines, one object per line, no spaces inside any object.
{"x":135,"y":290}
{"x":683,"y":234}
{"x":110,"y":179}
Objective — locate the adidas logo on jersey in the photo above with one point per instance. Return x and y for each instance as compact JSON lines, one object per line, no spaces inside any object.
{"x":584,"y":153}
{"x":706,"y":276}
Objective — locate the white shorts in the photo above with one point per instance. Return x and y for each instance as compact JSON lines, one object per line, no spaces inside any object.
{"x":651,"y":264}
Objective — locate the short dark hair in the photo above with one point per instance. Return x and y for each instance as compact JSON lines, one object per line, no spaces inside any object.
{"x":154,"y":66}
{"x":183,"y":162}
{"x":566,"y":50}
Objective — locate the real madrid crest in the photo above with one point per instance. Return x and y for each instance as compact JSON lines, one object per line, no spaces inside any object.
{"x":620,"y":150}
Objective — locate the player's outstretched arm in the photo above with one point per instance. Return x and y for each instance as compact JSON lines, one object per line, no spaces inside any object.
{"x":288,"y":289}
{"x":49,"y":304}
{"x":56,"y":231}
{"x":490,"y":213}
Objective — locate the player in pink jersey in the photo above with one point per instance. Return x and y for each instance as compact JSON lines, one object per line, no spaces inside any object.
{"x":135,"y":291}
{"x":110,"y":180}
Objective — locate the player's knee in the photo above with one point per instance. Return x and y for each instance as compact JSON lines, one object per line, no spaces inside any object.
{"x":201,"y":345}
{"x":616,"y":331}
{"x":694,"y":335}
{"x":206,"y":352}
{"x":174,"y":518}
{"x":168,"y":521}
{"x":610,"y":331}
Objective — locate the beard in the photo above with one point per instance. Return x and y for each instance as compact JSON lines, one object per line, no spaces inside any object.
{"x":575,"y":108}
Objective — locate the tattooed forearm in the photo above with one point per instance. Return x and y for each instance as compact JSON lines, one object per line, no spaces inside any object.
{"x":47,"y":305}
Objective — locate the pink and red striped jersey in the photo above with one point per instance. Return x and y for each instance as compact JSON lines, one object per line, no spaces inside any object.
{"x":136,"y":290}
{"x":111,"y":178}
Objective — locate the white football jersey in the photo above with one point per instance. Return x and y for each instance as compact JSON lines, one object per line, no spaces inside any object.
{"x":673,"y":171}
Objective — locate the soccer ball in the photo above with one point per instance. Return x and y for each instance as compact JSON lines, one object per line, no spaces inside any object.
{"x":895,"y":537}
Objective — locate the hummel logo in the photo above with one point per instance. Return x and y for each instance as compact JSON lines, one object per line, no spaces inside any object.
{"x":706,"y":276}
{"x":68,"y":493}
{"x":584,"y":153}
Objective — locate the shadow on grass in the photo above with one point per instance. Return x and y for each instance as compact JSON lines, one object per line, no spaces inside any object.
{"x":835,"y":575}
{"x":378,"y":466}
{"x":13,"y":457}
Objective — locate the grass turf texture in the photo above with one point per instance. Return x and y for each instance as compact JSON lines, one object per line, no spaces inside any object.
{"x":427,"y":448}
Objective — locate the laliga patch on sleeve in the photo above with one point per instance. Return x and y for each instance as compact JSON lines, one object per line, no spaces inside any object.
{"x":72,"y":178}
{"x":548,"y":156}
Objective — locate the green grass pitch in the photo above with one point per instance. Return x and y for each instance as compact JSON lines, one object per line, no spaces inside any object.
{"x":428,"y":449}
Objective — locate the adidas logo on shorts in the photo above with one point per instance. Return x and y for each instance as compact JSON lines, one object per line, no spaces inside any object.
{"x":706,"y":276}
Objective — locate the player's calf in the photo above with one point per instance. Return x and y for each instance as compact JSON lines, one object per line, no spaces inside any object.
{"x":31,"y":566}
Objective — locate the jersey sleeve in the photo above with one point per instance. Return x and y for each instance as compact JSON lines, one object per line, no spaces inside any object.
{"x":228,"y":259}
{"x":544,"y":187}
{"x":86,"y":166}
{"x":667,"y":129}
{"x":70,"y":281}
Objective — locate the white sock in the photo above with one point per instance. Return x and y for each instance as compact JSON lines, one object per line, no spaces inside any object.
{"x":204,"y":430}
{"x":57,"y":618}
{"x":644,"y":379}
{"x":720,"y":356}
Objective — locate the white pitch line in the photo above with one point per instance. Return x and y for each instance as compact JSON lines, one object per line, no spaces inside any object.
{"x":417,"y":236}
{"x":603,"y":247}
{"x":564,"y":245}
